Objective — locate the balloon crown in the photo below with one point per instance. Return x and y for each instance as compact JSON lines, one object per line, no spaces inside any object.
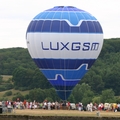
{"x":64,"y":7}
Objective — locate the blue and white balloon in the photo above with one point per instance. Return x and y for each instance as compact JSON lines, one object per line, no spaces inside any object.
{"x":64,"y":42}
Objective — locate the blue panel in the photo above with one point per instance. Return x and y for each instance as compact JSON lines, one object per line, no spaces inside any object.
{"x":57,"y":15}
{"x":86,"y":16}
{"x":63,"y":94}
{"x":84,"y":27}
{"x":39,"y":25}
{"x":98,"y":26}
{"x":43,"y":15}
{"x":65,"y":15}
{"x":63,"y":26}
{"x":80,"y":16}
{"x":32,"y":26}
{"x":63,"y":87}
{"x":50,"y":15}
{"x":55,"y":26}
{"x":91,"y":27}
{"x":59,"y":83}
{"x":75,"y":29}
{"x":39,"y":15}
{"x":73,"y":18}
{"x":72,"y":74}
{"x":91,"y":17}
{"x":60,"y":9}
{"x":62,"y":63}
{"x":46,"y":26}
{"x":66,"y":9}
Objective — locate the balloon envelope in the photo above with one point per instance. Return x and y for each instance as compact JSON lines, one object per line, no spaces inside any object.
{"x":64,"y":42}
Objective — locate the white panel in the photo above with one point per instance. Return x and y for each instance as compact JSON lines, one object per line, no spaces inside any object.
{"x":35,"y":40}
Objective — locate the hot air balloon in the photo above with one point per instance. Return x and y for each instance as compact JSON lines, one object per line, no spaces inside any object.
{"x":64,"y":42}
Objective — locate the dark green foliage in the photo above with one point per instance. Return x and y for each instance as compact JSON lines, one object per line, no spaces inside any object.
{"x":12,"y":58}
{"x":83,"y":93}
{"x":104,"y":74}
{"x":40,"y":94}
{"x":72,"y":99}
{"x":8,"y":93}
{"x":1,"y":79}
{"x":2,"y":88}
{"x":7,"y":86}
{"x":39,"y":80}
{"x":25,"y":79}
{"x":108,"y":96}
{"x":22,"y":76}
{"x":113,"y":79}
{"x":18,"y":95}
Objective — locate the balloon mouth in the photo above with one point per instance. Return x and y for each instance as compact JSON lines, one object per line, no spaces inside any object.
{"x":64,"y":7}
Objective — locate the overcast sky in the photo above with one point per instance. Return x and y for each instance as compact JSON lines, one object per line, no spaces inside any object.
{"x":15,"y":15}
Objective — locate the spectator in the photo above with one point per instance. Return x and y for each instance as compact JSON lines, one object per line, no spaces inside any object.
{"x":91,"y":107}
{"x":0,"y":104}
{"x":88,"y":107}
{"x":68,"y":105}
{"x":80,"y":106}
{"x":56,"y":105}
{"x":49,"y":105}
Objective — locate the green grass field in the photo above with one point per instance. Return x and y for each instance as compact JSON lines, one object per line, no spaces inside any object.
{"x":14,"y":92}
{"x":6,"y":77}
{"x":40,"y":112}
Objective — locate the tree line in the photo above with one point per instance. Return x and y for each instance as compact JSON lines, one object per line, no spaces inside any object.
{"x":103,"y":76}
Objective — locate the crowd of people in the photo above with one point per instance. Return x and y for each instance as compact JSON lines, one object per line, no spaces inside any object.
{"x":30,"y":105}
{"x":47,"y":105}
{"x":100,"y":107}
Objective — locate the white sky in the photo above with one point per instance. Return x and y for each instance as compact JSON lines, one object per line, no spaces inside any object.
{"x":15,"y":16}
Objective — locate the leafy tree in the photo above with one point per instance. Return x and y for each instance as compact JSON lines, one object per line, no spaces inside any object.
{"x":2,"y":88}
{"x":3,"y":99}
{"x":71,"y":99}
{"x":52,"y":94}
{"x":108,"y":96}
{"x":20,"y":96}
{"x":29,"y":79}
{"x":96,"y":99}
{"x":37,"y":94}
{"x":22,"y":77}
{"x":95,"y":81}
{"x":40,"y":94}
{"x":8,"y":93}
{"x":87,"y":98}
{"x":39,"y":80}
{"x":49,"y":99}
{"x":82,"y":92}
{"x":97,"y":85}
{"x":1,"y":79}
{"x":117,"y":99}
{"x":12,"y":58}
{"x":113,"y":79}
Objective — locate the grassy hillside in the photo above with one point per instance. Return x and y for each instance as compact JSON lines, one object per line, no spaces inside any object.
{"x":6,"y":77}
{"x":14,"y":92}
